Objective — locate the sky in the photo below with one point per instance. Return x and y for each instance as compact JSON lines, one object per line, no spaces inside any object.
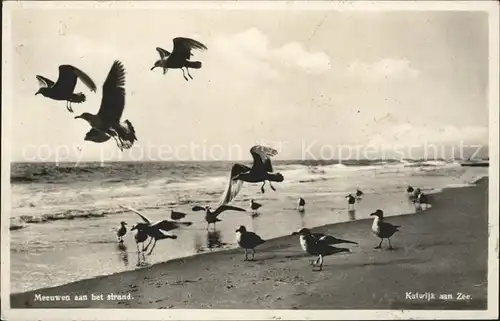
{"x":304,"y":82}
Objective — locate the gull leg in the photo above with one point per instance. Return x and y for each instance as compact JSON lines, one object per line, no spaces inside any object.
{"x":380,"y":244}
{"x":253,"y":254}
{"x":246,"y":255}
{"x":187,"y":69}
{"x":272,"y":187}
{"x":390,"y":246}
{"x":262,"y":187}
{"x":151,"y":251}
{"x":146,"y":248}
{"x":320,"y":262}
{"x":184,"y":75}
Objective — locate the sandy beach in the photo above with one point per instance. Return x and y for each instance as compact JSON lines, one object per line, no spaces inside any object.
{"x":441,"y":251}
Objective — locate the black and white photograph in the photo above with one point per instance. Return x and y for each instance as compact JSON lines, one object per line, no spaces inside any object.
{"x":249,"y":160}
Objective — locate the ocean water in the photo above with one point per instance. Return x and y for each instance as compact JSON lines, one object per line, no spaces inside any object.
{"x":63,"y":220}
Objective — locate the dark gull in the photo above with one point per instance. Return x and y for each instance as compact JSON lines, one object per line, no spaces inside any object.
{"x":121,"y":231}
{"x":106,"y":123}
{"x":350,"y":201}
{"x":254,"y":206}
{"x":179,"y":57}
{"x":63,"y":88}
{"x":248,"y":241}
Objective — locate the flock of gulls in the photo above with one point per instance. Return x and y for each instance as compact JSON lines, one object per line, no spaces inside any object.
{"x":107,"y":124}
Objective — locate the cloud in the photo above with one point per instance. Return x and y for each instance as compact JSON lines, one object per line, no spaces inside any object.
{"x":406,"y":134}
{"x":385,"y":68}
{"x":250,"y":51}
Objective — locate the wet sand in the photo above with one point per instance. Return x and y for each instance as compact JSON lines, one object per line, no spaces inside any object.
{"x":443,"y":250}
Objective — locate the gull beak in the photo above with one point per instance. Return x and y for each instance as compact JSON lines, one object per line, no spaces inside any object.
{"x":37,"y":92}
{"x":294,"y":233}
{"x":153,"y":67}
{"x":76,"y":117}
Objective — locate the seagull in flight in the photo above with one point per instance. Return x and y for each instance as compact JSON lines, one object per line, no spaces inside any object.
{"x":179,"y":57}
{"x":211,"y":216}
{"x":261,"y":171}
{"x":154,"y":230}
{"x":63,"y":88}
{"x":106,"y":123}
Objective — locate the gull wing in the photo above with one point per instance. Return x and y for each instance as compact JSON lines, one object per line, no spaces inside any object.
{"x":167,"y":225}
{"x":87,"y":81}
{"x":262,"y":157}
{"x":44,"y":82}
{"x":233,"y":187}
{"x":163,"y":53}
{"x":113,"y":95}
{"x":183,"y":47}
{"x":223,"y":208}
{"x":68,"y":76}
{"x":330,"y":240}
{"x":144,"y":218}
{"x":253,"y":238}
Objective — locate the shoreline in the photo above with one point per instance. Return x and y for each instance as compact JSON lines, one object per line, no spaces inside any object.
{"x":234,"y":247}
{"x":282,"y":254}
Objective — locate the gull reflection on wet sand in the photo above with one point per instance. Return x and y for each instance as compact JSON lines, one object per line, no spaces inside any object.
{"x":123,"y":254}
{"x":352,"y":215}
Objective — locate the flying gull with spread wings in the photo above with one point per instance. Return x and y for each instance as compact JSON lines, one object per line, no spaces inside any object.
{"x":179,"y":57}
{"x":64,"y":87}
{"x":261,"y":171}
{"x":106,"y":123}
{"x":211,"y":216}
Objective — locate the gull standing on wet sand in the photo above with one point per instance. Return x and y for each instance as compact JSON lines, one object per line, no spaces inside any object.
{"x":422,"y":202}
{"x":106,"y":123}
{"x":121,"y":231}
{"x":179,"y":57}
{"x":359,"y":194}
{"x":261,"y":171}
{"x":63,"y":88}
{"x":382,"y":229}
{"x":320,"y":244}
{"x":300,"y":204}
{"x":350,"y":202}
{"x":211,"y":217}
{"x":254,"y":206}
{"x":248,"y":241}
